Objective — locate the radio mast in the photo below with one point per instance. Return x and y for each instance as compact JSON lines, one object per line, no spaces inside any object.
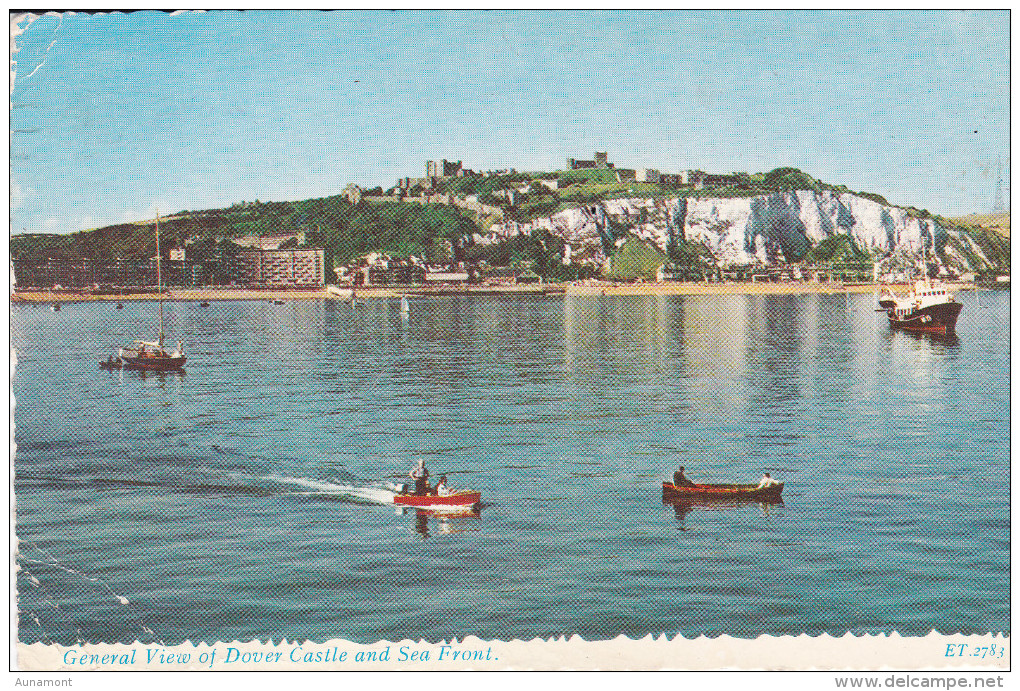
{"x":999,"y":204}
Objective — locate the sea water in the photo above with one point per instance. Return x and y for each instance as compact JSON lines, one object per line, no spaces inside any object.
{"x":247,"y":498}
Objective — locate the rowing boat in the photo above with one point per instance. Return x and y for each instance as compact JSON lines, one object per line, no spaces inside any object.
{"x":459,"y":500}
{"x":713,"y":492}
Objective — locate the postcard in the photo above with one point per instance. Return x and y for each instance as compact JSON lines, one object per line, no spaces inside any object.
{"x":474,"y":341}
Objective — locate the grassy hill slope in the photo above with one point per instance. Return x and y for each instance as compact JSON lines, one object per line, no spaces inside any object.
{"x":636,"y":259}
{"x":998,"y":221}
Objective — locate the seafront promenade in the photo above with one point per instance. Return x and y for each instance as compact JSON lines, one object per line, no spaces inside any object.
{"x":584,"y":288}
{"x":740,"y":288}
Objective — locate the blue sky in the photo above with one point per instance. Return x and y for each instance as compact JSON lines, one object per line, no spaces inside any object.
{"x":115,"y":115}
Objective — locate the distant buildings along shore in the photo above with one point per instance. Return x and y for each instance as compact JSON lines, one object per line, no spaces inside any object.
{"x":256,"y":262}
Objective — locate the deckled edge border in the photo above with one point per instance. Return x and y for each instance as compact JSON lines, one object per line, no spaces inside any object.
{"x":781,"y":653}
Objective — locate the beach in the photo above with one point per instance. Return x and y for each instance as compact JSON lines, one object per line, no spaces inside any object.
{"x":780,"y":288}
{"x":585,"y":288}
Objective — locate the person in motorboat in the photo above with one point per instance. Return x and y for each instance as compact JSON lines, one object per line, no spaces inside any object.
{"x":767,"y":481}
{"x":420,"y":475}
{"x":679,"y":480}
{"x":443,"y":489}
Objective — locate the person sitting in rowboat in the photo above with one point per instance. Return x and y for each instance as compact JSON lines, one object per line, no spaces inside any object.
{"x":767,"y":481}
{"x":420,"y":475}
{"x":679,"y":480}
{"x":443,"y":489}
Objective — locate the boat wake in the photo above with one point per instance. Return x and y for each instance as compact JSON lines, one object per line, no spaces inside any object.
{"x":383,"y":493}
{"x":199,"y":476}
{"x":56,"y":585}
{"x":270,"y":485}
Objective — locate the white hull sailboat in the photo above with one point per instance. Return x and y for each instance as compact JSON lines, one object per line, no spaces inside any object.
{"x":151,"y":355}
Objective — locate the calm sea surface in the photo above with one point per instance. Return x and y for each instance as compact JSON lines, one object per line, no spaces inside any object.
{"x":240,"y":500}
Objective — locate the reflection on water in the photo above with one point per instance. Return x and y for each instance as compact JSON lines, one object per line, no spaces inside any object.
{"x":949,"y":341}
{"x":221,"y":501}
{"x":682,"y":507}
{"x":445,"y":523}
{"x":159,"y":377}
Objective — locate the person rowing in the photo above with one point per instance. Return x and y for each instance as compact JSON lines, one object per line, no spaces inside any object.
{"x":679,"y":480}
{"x":767,"y":481}
{"x":420,"y":475}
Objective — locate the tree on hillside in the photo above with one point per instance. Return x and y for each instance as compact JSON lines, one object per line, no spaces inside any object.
{"x":837,"y":249}
{"x":790,"y":179}
{"x":636,"y":259}
{"x":686,"y":255}
{"x":439,"y":251}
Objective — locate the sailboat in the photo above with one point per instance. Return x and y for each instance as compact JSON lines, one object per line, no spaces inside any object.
{"x":148,"y":355}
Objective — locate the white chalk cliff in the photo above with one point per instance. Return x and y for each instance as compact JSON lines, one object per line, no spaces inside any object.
{"x":757,"y":230}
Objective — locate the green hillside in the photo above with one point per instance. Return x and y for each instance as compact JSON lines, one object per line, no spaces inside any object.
{"x":635,"y":259}
{"x":837,"y":249}
{"x":997,"y":221}
{"x":381,"y":224}
{"x":993,"y":245}
{"x":344,"y":230}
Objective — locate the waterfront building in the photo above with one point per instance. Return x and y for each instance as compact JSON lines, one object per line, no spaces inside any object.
{"x":299,"y":267}
{"x":83,"y":273}
{"x":404,"y":273}
{"x":445,"y":275}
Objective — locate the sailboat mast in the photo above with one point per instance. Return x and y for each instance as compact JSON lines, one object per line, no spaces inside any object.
{"x":159,"y":281}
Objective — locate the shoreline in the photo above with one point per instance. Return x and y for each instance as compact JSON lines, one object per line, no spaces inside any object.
{"x":389,"y":292}
{"x":783,"y":288}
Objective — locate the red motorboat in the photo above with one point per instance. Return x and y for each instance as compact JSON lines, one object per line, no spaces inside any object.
{"x":458,"y":500}
{"x":724,"y":492}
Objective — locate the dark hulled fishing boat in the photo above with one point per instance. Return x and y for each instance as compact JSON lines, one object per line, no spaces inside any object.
{"x":930,"y":308}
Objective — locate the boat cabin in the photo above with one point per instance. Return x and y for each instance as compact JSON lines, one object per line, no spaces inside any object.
{"x":149,"y":349}
{"x":921,"y":289}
